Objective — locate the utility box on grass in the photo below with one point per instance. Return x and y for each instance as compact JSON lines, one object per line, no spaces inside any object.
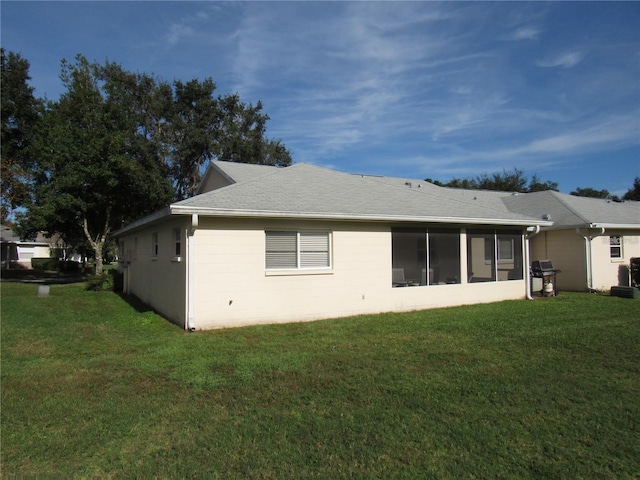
{"x":625,"y":292}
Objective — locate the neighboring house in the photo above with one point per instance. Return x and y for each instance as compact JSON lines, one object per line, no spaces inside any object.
{"x":591,"y":240}
{"x":17,"y":253}
{"x":262,"y":244}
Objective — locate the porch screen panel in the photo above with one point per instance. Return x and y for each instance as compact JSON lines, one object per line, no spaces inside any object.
{"x":314,"y":250}
{"x":281,"y":250}
{"x":444,"y":256}
{"x":481,"y":255}
{"x":409,"y":257}
{"x":510,"y":257}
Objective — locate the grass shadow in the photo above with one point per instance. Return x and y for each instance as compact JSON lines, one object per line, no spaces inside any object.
{"x":137,"y":304}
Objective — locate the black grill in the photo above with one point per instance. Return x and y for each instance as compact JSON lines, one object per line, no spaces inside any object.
{"x":544,"y":269}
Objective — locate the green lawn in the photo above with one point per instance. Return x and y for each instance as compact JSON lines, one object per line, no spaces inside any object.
{"x":93,"y":386}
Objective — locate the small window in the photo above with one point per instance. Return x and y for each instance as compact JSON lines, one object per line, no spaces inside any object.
{"x":615,"y":246}
{"x":178,"y":241}
{"x":154,"y":244}
{"x":505,"y":249}
{"x":297,"y":250}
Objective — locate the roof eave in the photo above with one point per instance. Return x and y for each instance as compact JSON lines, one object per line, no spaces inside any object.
{"x":154,"y":217}
{"x":184,"y":210}
{"x":622,"y":226}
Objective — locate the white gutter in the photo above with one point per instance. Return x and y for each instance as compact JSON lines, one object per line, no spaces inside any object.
{"x":527,"y":257}
{"x":233,"y":213}
{"x":190,"y":274}
{"x":588,"y":253}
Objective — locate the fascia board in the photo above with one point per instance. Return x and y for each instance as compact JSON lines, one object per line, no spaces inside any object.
{"x":622,"y":226}
{"x":625,"y":226}
{"x":150,"y":219}
{"x":182,"y":210}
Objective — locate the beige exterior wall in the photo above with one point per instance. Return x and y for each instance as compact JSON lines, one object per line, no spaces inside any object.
{"x":567,"y":250}
{"x":158,"y":280}
{"x":607,"y":271}
{"x":232,"y":287}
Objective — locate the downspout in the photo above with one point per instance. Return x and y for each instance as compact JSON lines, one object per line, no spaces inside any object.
{"x":588,"y":255}
{"x":527,"y":257}
{"x":190,"y":324}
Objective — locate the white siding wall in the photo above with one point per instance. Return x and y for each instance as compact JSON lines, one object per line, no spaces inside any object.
{"x":232,"y":287}
{"x":160,"y":280}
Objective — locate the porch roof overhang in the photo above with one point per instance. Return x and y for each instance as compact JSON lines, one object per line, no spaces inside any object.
{"x":596,"y":226}
{"x":181,"y":210}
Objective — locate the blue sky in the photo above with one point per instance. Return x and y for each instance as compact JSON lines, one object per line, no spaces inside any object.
{"x":410,"y":89}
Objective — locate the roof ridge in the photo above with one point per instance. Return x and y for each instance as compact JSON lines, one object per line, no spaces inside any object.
{"x":559,"y":197}
{"x":435,"y":193}
{"x":276,"y":170}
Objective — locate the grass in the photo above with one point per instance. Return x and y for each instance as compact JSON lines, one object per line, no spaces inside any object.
{"x":95,"y":386}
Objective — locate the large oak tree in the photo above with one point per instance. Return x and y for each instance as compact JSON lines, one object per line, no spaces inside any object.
{"x":119,"y":145}
{"x":20,"y":113}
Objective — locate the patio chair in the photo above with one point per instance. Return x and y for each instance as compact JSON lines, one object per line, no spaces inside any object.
{"x":397,"y":277}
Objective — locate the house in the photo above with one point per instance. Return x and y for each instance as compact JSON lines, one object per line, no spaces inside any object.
{"x":263,"y":244}
{"x":591,"y":240}
{"x":17,"y":253}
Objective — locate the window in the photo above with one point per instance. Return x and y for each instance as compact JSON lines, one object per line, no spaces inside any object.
{"x":505,"y":249}
{"x":297,"y":250}
{"x":178,"y":240}
{"x":494,"y":255}
{"x":154,"y":244}
{"x":423,"y":256}
{"x":615,"y":246}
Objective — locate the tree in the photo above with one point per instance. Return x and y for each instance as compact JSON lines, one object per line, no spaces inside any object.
{"x":119,"y":145}
{"x":94,"y":171}
{"x":506,"y":181}
{"x":188,"y":125}
{"x":20,"y":113}
{"x":634,"y":192}
{"x":535,"y":185}
{"x":590,"y":192}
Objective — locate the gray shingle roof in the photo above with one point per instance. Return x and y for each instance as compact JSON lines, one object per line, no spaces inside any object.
{"x":308,"y":191}
{"x":572,"y":211}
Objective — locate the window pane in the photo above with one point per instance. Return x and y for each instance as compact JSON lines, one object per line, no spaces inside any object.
{"x":409,"y":257}
{"x":505,"y":248}
{"x":176,"y":233}
{"x":444,"y":256}
{"x":481,"y":265}
{"x":616,"y":246}
{"x":281,"y":250}
{"x":510,"y":260}
{"x":314,"y":250}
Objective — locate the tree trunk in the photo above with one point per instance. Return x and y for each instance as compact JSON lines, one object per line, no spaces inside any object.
{"x":98,"y":243}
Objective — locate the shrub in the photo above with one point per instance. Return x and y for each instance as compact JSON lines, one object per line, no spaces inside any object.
{"x":41,"y":264}
{"x":118,"y":280}
{"x":100,"y":282}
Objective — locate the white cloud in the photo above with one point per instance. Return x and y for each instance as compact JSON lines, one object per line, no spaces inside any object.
{"x":525,"y":33}
{"x":565,"y":60}
{"x":177,"y":32}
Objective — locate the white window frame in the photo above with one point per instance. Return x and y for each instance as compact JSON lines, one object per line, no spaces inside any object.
{"x":615,"y":242}
{"x":155,"y":248}
{"x":500,"y":254}
{"x":177,"y":236}
{"x":303,"y":249}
